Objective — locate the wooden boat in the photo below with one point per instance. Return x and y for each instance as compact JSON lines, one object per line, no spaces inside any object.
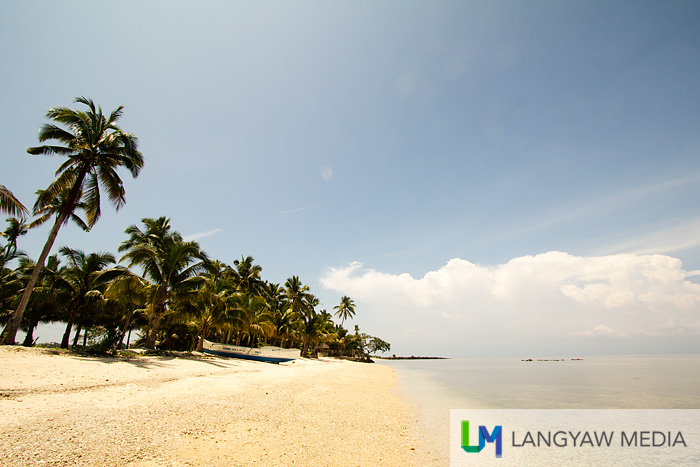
{"x":263,"y":354}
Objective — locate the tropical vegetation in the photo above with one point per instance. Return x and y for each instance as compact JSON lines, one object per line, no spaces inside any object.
{"x":94,"y":147}
{"x":163,"y":288}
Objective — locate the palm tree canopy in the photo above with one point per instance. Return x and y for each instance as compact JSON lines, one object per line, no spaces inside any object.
{"x":346,"y":309}
{"x":171,"y":263}
{"x":16,"y":229}
{"x":11,"y":205}
{"x":246,"y":276}
{"x":297,"y":295}
{"x":88,"y":272}
{"x":94,"y":147}
{"x":47,"y":207}
{"x":165,"y":257}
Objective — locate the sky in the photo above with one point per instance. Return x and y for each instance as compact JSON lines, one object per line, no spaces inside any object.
{"x":489,"y":177}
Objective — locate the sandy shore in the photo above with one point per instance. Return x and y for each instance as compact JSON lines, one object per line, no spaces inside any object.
{"x":61,"y":409}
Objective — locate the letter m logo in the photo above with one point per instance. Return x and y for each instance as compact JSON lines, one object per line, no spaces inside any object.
{"x":484,"y":437}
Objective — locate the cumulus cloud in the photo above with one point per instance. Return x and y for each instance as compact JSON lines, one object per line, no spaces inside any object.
{"x":552,"y":301}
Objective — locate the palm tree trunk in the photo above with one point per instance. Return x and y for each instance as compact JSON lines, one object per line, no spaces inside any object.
{"x":66,"y":334}
{"x":29,"y":338}
{"x":200,"y":341}
{"x":158,"y":311}
{"x":77,"y":333}
{"x":9,"y":334}
{"x":127,"y":323}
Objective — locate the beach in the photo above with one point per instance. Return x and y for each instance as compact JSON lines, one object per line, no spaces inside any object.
{"x":58,"y":408}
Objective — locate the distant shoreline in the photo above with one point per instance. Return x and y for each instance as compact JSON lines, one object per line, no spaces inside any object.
{"x":412,"y":358}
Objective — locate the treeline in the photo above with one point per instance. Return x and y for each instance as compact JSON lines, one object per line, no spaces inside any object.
{"x":178,"y":298}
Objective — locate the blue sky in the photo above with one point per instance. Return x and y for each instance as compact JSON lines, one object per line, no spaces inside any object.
{"x":399,"y":135}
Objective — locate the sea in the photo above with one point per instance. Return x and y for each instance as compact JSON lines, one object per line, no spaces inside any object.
{"x":434,"y":387}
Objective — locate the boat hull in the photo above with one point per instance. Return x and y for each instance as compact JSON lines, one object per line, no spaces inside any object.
{"x":244,"y":353}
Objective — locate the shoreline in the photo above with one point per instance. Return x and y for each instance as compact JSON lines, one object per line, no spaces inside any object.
{"x":57,"y":408}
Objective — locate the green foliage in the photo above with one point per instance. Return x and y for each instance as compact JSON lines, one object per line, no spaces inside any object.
{"x":94,"y":147}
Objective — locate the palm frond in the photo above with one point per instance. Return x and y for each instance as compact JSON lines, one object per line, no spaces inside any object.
{"x":91,"y":197}
{"x":115,"y":115}
{"x":9,"y":204}
{"x":50,"y":131}
{"x":110,"y":181}
{"x":86,"y":101}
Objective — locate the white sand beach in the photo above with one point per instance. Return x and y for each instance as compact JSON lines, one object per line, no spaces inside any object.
{"x":58,"y":409}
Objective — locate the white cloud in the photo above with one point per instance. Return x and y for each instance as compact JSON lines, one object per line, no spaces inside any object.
{"x":601,"y":330}
{"x":669,"y":239}
{"x":531,"y":302}
{"x":200,"y":235}
{"x":327,"y":173}
{"x":305,"y":208}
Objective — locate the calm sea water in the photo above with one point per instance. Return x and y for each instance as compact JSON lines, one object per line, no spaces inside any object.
{"x":601,"y":382}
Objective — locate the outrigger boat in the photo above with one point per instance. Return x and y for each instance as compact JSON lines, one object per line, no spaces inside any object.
{"x":263,"y":354}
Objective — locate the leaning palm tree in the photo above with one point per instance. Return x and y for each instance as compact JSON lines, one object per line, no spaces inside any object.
{"x":345,"y":310}
{"x":169,"y":262}
{"x":51,"y":206}
{"x":94,"y":147}
{"x":11,"y":205}
{"x":49,"y":297}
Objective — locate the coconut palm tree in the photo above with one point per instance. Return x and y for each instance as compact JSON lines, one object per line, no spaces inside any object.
{"x":297,"y":295}
{"x":169,"y":262}
{"x":16,"y":229}
{"x":84,"y":280}
{"x":281,"y":316}
{"x":130,"y":292}
{"x":313,"y":328}
{"x":51,"y":206}
{"x":11,"y":285}
{"x":11,"y":205}
{"x":48,"y":299}
{"x":207,"y":307}
{"x":345,"y":310}
{"x":249,"y":317}
{"x":94,"y":147}
{"x":246,"y":276}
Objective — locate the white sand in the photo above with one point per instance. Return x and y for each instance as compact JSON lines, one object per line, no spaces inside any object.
{"x":60,"y":409}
